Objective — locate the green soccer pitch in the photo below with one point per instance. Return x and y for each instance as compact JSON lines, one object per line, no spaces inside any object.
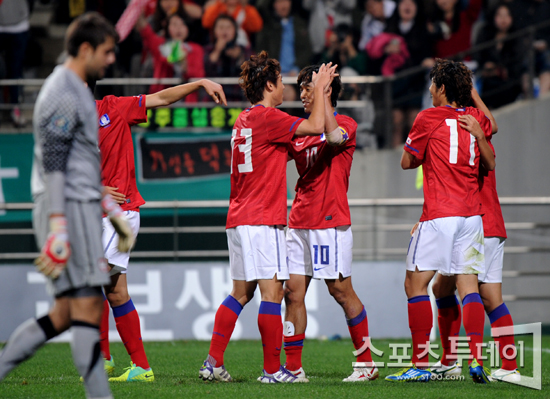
{"x":51,"y":374}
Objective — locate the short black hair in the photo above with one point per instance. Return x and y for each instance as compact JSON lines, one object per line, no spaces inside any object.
{"x":90,"y":27}
{"x":457,"y":79}
{"x":306,"y":74}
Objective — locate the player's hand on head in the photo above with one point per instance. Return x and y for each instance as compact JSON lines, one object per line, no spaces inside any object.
{"x":214,"y":90}
{"x":126,"y":239}
{"x":118,"y":197}
{"x":471,"y":124}
{"x":56,"y":251}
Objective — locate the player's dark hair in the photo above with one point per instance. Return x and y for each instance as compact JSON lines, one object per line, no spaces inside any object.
{"x":255,"y":73}
{"x":457,"y":79}
{"x":306,"y":75}
{"x":90,"y":27}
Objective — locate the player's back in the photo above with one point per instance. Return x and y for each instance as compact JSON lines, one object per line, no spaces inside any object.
{"x":65,"y":118}
{"x":258,"y":167}
{"x":450,"y":162}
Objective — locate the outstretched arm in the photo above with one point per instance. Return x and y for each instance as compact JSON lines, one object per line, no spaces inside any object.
{"x":171,"y":95}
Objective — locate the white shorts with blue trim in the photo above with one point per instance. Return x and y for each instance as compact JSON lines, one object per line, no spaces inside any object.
{"x":257,"y":253}
{"x":494,"y":257}
{"x":320,"y":253}
{"x":118,"y":260}
{"x":450,"y":245}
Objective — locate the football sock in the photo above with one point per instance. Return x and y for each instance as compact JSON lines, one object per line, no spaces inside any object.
{"x":359,"y":329}
{"x":420,"y":323}
{"x":87,"y":359}
{"x":127,"y":324}
{"x":449,"y":320}
{"x":293,"y":351}
{"x":24,"y":342}
{"x":500,"y":317}
{"x":474,"y":320}
{"x":104,"y":331}
{"x":224,"y":324}
{"x":270,"y":324}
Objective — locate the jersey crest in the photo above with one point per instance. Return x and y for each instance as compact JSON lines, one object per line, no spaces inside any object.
{"x":104,"y":120}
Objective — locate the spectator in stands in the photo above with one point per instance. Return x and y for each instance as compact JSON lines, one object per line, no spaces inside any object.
{"x":173,"y":55}
{"x":325,"y":15}
{"x":374,"y":21}
{"x":247,"y":17}
{"x":531,"y":13}
{"x":342,"y":50}
{"x":409,"y":23}
{"x":191,"y":11}
{"x":224,"y":56}
{"x":451,"y":26}
{"x":284,"y":36}
{"x":14,"y":35}
{"x":500,"y":66}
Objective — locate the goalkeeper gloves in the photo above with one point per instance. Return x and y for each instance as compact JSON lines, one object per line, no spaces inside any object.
{"x":56,"y":251}
{"x":126,"y":239}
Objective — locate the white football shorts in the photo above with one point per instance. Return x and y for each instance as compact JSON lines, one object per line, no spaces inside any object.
{"x":320,"y":253}
{"x":494,"y":256}
{"x":450,"y":245}
{"x":257,"y":253}
{"x":117,"y":259}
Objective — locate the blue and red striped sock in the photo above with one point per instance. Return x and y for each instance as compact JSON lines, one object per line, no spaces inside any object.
{"x":420,"y":323}
{"x":500,"y":317}
{"x":224,"y":324}
{"x":359,"y":329}
{"x":127,"y":324}
{"x":474,"y":320}
{"x":449,"y":319}
{"x":293,"y":351}
{"x":270,"y":324}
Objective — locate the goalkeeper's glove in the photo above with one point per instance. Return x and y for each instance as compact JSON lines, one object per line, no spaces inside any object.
{"x":56,"y":251}
{"x":126,"y":238}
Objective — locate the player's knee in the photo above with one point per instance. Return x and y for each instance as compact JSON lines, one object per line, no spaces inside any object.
{"x":339,"y":295}
{"x":293,"y":297}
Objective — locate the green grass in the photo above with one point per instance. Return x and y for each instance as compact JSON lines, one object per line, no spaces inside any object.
{"x":51,"y":374}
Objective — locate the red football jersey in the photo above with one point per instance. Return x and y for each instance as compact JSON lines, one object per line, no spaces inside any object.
{"x":321,"y":200}
{"x":258,"y":166}
{"x":493,"y":222}
{"x":116,"y":115}
{"x":450,"y":160}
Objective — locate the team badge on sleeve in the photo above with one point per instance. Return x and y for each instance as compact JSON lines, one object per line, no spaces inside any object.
{"x":104,"y":120}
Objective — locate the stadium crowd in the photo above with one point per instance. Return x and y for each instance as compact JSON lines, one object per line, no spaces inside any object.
{"x":199,"y":38}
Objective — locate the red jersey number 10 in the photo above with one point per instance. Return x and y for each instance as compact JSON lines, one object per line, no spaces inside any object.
{"x":245,"y":148}
{"x":453,"y":152}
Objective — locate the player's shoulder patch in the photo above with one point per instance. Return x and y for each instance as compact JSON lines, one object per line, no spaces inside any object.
{"x":104,"y":120}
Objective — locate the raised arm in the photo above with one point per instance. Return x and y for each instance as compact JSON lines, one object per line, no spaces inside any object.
{"x":171,"y":95}
{"x":479,"y":104}
{"x":470,"y":123}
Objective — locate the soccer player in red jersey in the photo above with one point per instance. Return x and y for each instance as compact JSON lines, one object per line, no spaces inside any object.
{"x":116,"y":116}
{"x":490,"y":281}
{"x":449,"y":237}
{"x":258,"y":212}
{"x":319,"y":238}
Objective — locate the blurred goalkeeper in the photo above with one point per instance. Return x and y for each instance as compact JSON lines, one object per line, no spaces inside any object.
{"x":69,"y":200}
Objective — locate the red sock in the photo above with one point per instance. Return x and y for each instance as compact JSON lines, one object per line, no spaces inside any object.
{"x":104,"y":331}
{"x":449,"y":320}
{"x":270,"y":324}
{"x":500,"y":317}
{"x":359,"y":329}
{"x":224,"y":324}
{"x":293,"y":351}
{"x":420,"y":323}
{"x":474,"y":320}
{"x":127,"y":324}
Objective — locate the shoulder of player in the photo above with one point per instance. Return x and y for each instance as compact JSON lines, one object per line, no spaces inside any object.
{"x":344,"y":119}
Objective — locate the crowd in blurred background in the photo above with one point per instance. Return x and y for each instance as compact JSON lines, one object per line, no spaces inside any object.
{"x":196,"y":38}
